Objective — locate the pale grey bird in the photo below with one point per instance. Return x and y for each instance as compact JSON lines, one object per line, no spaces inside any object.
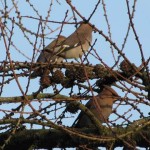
{"x":100,"y":106}
{"x":71,"y":47}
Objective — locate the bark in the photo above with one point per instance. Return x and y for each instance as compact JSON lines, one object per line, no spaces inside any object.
{"x":48,"y":139}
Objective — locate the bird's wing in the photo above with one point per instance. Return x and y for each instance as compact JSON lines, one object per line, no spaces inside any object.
{"x":71,"y":42}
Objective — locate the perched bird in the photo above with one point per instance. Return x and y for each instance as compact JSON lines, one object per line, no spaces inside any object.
{"x":74,"y":46}
{"x":100,"y":106}
{"x":48,"y":55}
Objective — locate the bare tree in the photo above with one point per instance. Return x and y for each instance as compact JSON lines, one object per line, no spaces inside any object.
{"x":43,"y":112}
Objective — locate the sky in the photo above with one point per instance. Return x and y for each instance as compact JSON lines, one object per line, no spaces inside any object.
{"x":118,"y":20}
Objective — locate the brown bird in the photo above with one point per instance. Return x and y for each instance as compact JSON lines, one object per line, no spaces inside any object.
{"x":100,"y":106}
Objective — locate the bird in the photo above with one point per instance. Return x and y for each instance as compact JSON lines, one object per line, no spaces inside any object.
{"x":100,"y":106}
{"x":72,"y":47}
{"x":48,"y":55}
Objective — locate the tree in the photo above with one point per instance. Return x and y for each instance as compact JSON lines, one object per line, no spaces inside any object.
{"x":40,"y":114}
